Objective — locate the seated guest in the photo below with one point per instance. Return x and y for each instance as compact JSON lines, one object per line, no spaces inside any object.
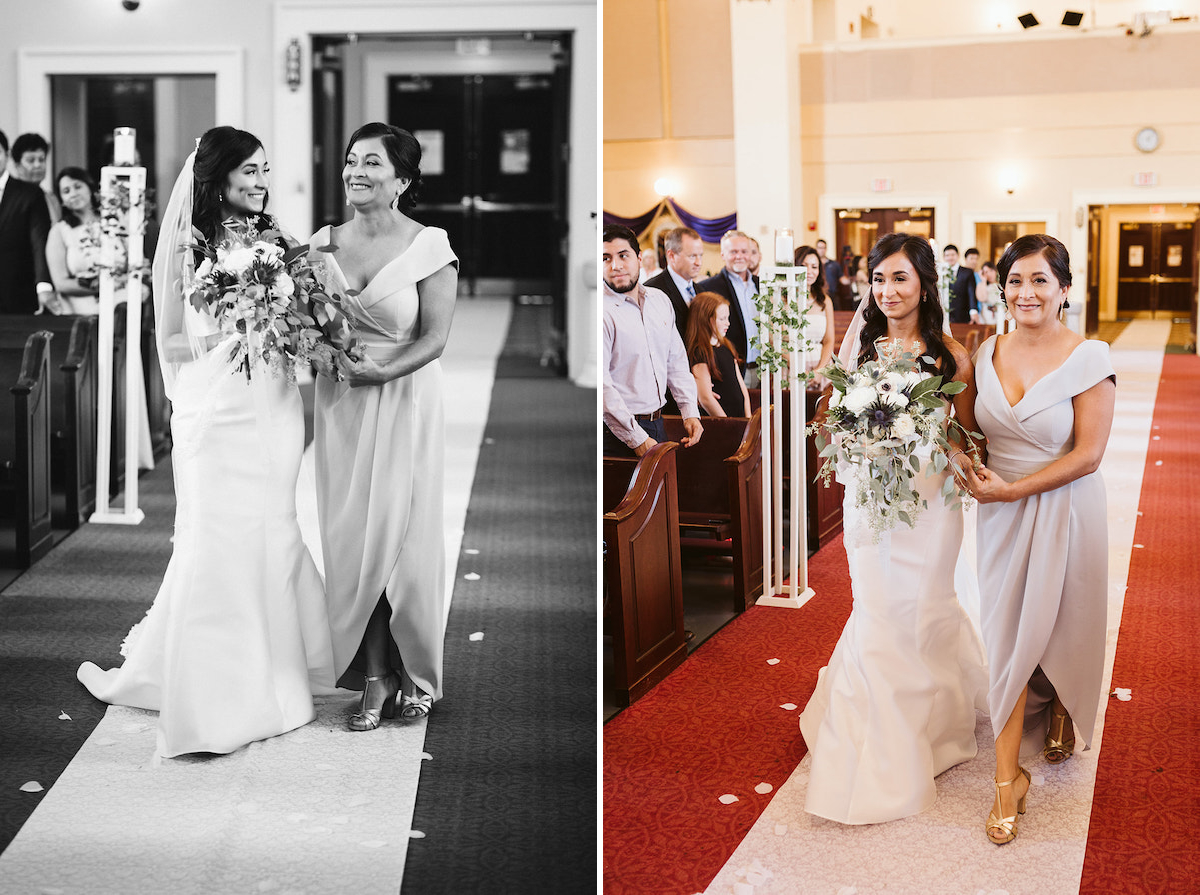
{"x":713,"y":358}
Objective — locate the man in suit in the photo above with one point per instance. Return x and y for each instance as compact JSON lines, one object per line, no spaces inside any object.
{"x":685,"y":257}
{"x":962,"y":287}
{"x":735,"y":282}
{"x":25,"y":285}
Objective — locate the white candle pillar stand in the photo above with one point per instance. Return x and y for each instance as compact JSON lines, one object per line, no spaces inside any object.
{"x":793,"y":592}
{"x":130,"y":513}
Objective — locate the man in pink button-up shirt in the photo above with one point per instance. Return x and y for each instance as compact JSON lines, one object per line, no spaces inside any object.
{"x":643,"y":355}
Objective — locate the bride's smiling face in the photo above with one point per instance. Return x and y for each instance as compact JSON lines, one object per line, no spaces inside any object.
{"x":896,"y":287}
{"x":245,"y":190}
{"x":368,"y":175}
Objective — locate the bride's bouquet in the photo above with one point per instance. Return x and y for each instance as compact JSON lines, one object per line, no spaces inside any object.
{"x":270,"y":298}
{"x":879,"y":416}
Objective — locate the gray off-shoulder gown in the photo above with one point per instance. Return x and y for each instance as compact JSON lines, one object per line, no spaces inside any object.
{"x":1043,"y":560}
{"x":379,"y":458}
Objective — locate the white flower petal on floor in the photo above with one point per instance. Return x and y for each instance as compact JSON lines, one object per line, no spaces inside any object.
{"x":780,"y":829}
{"x":1122,"y":693}
{"x":104,"y":741}
{"x":763,"y":788}
{"x":415,"y":834}
{"x":373,"y":843}
{"x":727,"y":799}
{"x":358,"y":801}
{"x":63,"y":716}
{"x":772,"y":661}
{"x":425,"y":756}
{"x":32,"y":786}
{"x":477,"y":636}
{"x":1036,"y":780}
{"x":471,"y":551}
{"x":789,"y":706}
{"x":471,"y":576}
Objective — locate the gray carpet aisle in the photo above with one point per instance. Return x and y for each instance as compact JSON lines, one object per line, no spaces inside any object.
{"x":508,"y":802}
{"x":77,"y":603}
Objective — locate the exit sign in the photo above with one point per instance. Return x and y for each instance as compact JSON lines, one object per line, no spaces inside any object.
{"x":1145,"y":178}
{"x":881,"y":185}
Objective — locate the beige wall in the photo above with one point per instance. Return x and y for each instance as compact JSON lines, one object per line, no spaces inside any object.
{"x":1050,"y":112}
{"x":683,"y":132}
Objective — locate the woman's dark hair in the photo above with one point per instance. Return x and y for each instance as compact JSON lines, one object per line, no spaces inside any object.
{"x":929,"y":311}
{"x":699,"y":332}
{"x":72,"y":173}
{"x":222,"y":150}
{"x":403,"y":151}
{"x":816,"y":288}
{"x":1053,"y":250}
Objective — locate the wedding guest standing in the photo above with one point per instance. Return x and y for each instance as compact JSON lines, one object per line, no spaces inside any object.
{"x":380,"y":435}
{"x":643,"y":356}
{"x":819,"y":315}
{"x":73,"y":255}
{"x":1045,"y":404}
{"x":25,"y":286}
{"x":73,"y":246}
{"x":719,"y":385}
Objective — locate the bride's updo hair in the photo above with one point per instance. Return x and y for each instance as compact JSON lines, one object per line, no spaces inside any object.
{"x":403,"y":151}
{"x":929,"y":314}
{"x":221,"y":150}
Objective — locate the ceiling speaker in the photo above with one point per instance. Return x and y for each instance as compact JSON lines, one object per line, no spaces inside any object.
{"x":1072,"y":19}
{"x":1028,"y":20}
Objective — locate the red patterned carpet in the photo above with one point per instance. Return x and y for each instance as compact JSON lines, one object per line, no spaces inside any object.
{"x":1146,"y":809}
{"x":712,"y":728}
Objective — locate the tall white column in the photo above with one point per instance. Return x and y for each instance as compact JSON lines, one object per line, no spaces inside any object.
{"x":766,"y":36}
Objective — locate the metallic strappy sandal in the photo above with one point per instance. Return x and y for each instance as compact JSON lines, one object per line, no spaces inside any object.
{"x":412,"y":707}
{"x":1060,"y":738}
{"x":369,"y":719}
{"x":1006,"y":826}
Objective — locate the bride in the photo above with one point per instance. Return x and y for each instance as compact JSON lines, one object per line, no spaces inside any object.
{"x":237,"y":639}
{"x":896,"y":705}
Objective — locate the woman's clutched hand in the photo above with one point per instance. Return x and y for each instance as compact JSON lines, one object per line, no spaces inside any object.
{"x":985,"y":486}
{"x":361,"y":370}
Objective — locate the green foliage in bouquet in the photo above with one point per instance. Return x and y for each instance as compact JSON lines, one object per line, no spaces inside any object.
{"x":878,"y":417}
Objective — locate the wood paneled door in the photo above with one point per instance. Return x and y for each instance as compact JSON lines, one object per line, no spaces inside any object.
{"x":1156,"y":270}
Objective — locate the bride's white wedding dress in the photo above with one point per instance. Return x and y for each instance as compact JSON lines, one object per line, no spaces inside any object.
{"x":896,"y":704}
{"x":237,"y":639}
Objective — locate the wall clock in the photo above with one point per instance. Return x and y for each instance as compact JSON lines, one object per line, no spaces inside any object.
{"x":1146,"y":139}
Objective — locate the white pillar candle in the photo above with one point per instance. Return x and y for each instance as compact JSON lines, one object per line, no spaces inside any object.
{"x":783,"y":248}
{"x":124,"y":146}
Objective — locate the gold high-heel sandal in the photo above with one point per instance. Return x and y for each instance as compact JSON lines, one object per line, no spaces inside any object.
{"x":370,"y":718}
{"x":1006,"y":826}
{"x":1060,"y":738}
{"x":412,"y":707}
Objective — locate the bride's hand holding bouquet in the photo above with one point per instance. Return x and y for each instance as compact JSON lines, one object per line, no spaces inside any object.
{"x":878,"y":417}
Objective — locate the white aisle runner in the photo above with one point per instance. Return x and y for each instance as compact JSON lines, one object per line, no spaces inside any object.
{"x":319,"y":810}
{"x":944,"y":850}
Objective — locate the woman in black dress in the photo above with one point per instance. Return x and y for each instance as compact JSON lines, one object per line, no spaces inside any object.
{"x":719,"y":383}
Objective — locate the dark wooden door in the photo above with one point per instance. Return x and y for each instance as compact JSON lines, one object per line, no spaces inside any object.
{"x":859,"y":228}
{"x":491,"y":169}
{"x":1155,"y":269}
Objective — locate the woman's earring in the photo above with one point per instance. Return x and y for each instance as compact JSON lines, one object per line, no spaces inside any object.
{"x":396,"y":200}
